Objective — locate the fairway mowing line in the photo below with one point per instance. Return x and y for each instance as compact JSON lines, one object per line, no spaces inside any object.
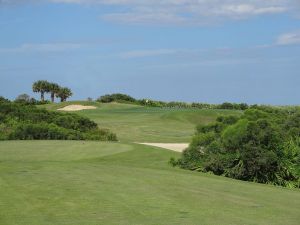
{"x":177,"y":147}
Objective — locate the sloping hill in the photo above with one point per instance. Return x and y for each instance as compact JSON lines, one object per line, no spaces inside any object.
{"x":74,"y":182}
{"x":134,"y":123}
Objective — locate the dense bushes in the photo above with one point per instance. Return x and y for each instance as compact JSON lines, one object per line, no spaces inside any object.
{"x":2,"y":99}
{"x":43,"y":131}
{"x":116,"y":98}
{"x":263,"y":145}
{"x":27,"y":100}
{"x":25,"y":121}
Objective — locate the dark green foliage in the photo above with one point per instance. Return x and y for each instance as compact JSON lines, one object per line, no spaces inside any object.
{"x":44,"y":86}
{"x":123,"y":98}
{"x":74,"y":122}
{"x":23,"y":97}
{"x":25,"y":121}
{"x":2,"y":99}
{"x":53,"y":89}
{"x":184,"y":105}
{"x":26,"y":99}
{"x":42,"y":131}
{"x":41,"y":86}
{"x":63,"y":93}
{"x":228,"y":120}
{"x":228,"y":105}
{"x":263,"y":145}
{"x":116,"y":98}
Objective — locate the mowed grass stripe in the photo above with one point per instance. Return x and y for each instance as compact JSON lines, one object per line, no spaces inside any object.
{"x":58,"y":150}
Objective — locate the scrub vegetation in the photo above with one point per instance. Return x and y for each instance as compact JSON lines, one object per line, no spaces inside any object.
{"x":262,"y":145}
{"x":123,"y":98}
{"x":25,"y":122}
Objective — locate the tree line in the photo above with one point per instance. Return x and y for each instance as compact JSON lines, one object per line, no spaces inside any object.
{"x":55,"y":90}
{"x":123,"y":98}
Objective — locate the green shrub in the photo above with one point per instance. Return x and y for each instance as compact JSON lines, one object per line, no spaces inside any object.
{"x":27,"y":122}
{"x":263,"y":145}
{"x":75,"y":122}
{"x":116,"y":98}
{"x":2,"y":99}
{"x":234,"y":135}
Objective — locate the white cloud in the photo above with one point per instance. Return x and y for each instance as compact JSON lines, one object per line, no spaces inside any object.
{"x":248,"y":9}
{"x":49,"y":47}
{"x":289,"y":38}
{"x":147,"y":53}
{"x":193,"y":12}
{"x":182,"y":53}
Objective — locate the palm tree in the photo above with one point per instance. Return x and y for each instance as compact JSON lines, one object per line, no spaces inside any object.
{"x":54,"y":89}
{"x":41,"y":86}
{"x":64,"y":93}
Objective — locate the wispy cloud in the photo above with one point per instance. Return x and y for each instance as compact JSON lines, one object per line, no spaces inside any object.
{"x":215,"y":56}
{"x":46,"y":47}
{"x":146,"y":53}
{"x":195,"y":12}
{"x":179,"y":54}
{"x":289,"y":38}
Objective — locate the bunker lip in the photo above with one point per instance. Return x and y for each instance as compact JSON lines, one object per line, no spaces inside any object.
{"x":177,"y":147}
{"x":70,"y":108}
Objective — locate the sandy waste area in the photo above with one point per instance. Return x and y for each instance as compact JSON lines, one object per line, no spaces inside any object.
{"x":76,"y":108}
{"x":172,"y":146}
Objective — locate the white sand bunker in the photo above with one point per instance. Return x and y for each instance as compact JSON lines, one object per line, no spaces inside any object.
{"x":171,"y":146}
{"x":76,"y":108}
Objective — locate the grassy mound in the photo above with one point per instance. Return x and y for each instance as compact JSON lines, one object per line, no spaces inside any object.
{"x":134,"y":123}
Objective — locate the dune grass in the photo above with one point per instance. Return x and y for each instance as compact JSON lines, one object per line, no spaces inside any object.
{"x":74,"y":182}
{"x":134,"y":123}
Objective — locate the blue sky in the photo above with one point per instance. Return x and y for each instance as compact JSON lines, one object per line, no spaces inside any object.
{"x":183,"y":50}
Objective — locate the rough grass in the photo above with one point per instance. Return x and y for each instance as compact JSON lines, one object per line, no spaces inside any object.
{"x":92,"y":183}
{"x":134,"y":123}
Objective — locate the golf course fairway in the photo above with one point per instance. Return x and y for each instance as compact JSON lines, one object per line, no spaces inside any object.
{"x":92,"y":183}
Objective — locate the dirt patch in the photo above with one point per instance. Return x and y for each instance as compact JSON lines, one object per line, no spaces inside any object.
{"x":76,"y":108}
{"x":172,"y":146}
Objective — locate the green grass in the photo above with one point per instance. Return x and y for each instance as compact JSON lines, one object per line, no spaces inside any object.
{"x":134,"y":123}
{"x":92,"y":183}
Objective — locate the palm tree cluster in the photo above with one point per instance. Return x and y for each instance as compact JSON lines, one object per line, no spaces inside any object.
{"x":43,"y":86}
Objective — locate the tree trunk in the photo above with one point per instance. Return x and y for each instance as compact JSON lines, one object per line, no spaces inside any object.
{"x":61,"y":100}
{"x":42,"y":96}
{"x":52,"y":97}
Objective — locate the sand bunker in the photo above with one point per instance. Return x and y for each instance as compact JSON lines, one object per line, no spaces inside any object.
{"x":76,"y":108}
{"x":173,"y":146}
